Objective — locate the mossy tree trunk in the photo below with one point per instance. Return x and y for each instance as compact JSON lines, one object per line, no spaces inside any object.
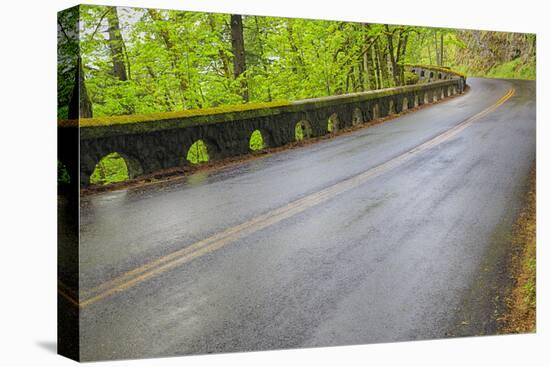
{"x":80,"y":105}
{"x":116,"y":46}
{"x":239,"y":61}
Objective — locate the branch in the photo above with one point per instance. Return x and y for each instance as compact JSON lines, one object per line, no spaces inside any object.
{"x":99,"y":22}
{"x":63,"y":29}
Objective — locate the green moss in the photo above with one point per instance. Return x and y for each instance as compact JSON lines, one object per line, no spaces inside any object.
{"x":129,"y":119}
{"x":256,"y":140}
{"x":143,"y":124}
{"x":111,"y":169}
{"x":198,"y":153}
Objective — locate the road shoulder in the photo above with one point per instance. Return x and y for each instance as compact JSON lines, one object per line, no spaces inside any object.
{"x":501,"y":299}
{"x":520,"y":316}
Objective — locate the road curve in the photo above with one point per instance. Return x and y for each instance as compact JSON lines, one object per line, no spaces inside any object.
{"x":331,"y":255}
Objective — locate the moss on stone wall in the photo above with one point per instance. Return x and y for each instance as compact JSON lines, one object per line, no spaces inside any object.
{"x":128,"y":119}
{"x":95,"y":128}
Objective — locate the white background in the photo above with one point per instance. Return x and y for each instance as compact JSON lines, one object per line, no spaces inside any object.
{"x":28,"y":181}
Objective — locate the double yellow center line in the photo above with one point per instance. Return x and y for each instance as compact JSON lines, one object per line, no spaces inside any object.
{"x":165,"y":263}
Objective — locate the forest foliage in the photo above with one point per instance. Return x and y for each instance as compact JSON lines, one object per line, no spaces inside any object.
{"x":139,"y":61}
{"x":131,"y":64}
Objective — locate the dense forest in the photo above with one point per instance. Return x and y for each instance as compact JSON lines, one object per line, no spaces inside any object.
{"x":135,"y":61}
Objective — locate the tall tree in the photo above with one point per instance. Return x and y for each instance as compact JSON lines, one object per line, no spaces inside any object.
{"x":184,"y":60}
{"x":239,"y":60}
{"x":116,"y":45}
{"x":80,"y":105}
{"x":73,"y":99}
{"x":441,"y":49}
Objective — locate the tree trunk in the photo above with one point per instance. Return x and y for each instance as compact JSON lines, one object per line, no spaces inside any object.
{"x":441,"y":52}
{"x":437,"y":58}
{"x":383,"y":61}
{"x":394,"y":68}
{"x":361,"y":74}
{"x":402,"y":54}
{"x":429,"y":52}
{"x":116,"y":45}
{"x":80,"y":105}
{"x":378,"y":67}
{"x":381,"y":68}
{"x":366,"y":80}
{"x":367,"y":68}
{"x":239,"y":62}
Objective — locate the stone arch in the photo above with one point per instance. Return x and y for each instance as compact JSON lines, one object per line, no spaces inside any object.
{"x":209,"y":144}
{"x":302,"y":130}
{"x":115,"y":167}
{"x":422,"y":73}
{"x":357,"y":116}
{"x":431,"y":74}
{"x":258,"y":140}
{"x":333,"y":123}
{"x":439,"y":76}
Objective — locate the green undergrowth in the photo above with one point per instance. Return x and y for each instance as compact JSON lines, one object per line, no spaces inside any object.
{"x":198,"y":153}
{"x":111,"y":169}
{"x":299,"y":132}
{"x":411,"y":78}
{"x":515,"y":69}
{"x":256,"y":141}
{"x":330,"y":126}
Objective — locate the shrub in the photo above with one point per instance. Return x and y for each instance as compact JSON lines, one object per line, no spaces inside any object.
{"x":410,"y":78}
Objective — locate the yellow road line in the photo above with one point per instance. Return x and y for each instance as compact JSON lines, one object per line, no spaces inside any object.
{"x":67,"y":296}
{"x":219,"y":240}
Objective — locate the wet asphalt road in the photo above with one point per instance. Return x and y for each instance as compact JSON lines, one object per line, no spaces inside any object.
{"x":392,"y":259}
